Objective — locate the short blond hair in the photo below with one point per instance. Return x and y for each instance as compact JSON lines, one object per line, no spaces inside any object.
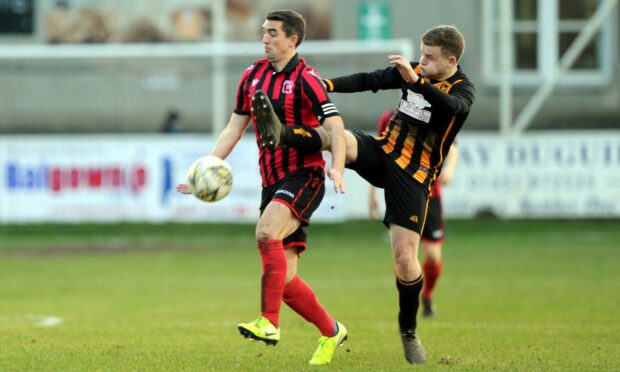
{"x":449,"y":38}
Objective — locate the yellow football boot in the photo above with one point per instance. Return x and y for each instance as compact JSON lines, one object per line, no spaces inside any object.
{"x":261,"y":329}
{"x":327,"y":345}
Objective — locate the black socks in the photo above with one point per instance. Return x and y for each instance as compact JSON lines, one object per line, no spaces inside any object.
{"x":409,"y":302}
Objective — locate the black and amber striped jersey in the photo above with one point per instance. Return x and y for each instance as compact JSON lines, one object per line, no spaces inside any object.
{"x":429,"y":116}
{"x":298,"y":98}
{"x":382,"y":126}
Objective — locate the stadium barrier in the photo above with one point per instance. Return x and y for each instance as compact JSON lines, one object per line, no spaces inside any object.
{"x":115,"y":88}
{"x":110,"y":178}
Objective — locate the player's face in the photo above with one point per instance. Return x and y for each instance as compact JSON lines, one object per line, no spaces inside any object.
{"x":435,"y":63}
{"x":278,"y":46}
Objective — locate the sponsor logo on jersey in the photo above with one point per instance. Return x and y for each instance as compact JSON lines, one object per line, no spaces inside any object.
{"x":415,"y":106}
{"x":285,"y":192}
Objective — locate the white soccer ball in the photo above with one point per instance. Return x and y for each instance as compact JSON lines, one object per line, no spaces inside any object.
{"x":210,"y":178}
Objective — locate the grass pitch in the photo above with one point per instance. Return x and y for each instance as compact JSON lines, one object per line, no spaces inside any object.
{"x":514,"y":295}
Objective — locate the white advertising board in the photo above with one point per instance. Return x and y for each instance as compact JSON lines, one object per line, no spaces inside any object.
{"x":549,"y":174}
{"x":124,"y":178}
{"x":132,"y":178}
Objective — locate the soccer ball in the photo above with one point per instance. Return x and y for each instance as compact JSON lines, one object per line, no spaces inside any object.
{"x":210,"y":178}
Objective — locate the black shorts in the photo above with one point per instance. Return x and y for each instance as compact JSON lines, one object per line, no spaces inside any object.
{"x":406,"y":199}
{"x":301,"y":192}
{"x":434,"y":226}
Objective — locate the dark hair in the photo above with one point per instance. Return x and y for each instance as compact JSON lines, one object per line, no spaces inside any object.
{"x":293,"y":23}
{"x":449,"y":38}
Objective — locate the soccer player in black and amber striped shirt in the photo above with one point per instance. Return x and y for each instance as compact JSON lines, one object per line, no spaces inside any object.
{"x":432,"y":236}
{"x":435,"y":102}
{"x":292,"y":180}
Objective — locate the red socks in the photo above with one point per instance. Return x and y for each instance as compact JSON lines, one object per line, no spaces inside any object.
{"x":432,"y":271}
{"x":296,"y":294}
{"x":273,"y":279}
{"x":301,"y":298}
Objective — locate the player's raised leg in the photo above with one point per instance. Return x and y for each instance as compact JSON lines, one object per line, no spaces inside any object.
{"x":267,"y":123}
{"x":308,"y":140}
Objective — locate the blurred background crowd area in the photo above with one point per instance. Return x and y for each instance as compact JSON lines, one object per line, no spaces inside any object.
{"x":105,"y":21}
{"x":77,"y":93}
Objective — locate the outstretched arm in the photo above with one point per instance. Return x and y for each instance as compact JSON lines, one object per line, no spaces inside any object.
{"x":335,"y":129}
{"x":230,"y":135}
{"x":225,"y":143}
{"x":388,"y":78}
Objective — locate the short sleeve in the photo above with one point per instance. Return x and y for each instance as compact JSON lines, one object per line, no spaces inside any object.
{"x":242,"y":101}
{"x":322,"y":106}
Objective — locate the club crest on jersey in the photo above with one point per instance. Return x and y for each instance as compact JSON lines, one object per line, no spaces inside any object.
{"x":287,"y":87}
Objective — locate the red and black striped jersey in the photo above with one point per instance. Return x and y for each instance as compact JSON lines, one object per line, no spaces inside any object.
{"x":298,"y":98}
{"x":430,"y":114}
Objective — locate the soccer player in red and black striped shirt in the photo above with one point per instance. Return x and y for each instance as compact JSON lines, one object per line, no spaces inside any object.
{"x":435,"y":102}
{"x":293,"y":181}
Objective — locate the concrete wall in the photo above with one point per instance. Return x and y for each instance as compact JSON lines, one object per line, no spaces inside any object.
{"x":568,"y":107}
{"x":114,"y":97}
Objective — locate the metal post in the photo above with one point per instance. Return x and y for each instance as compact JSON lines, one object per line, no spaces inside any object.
{"x":506,"y":45}
{"x":218,"y":79}
{"x":592,"y":26}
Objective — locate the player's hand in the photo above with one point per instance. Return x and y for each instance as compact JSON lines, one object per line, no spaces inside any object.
{"x":336,"y":178}
{"x":183,"y":188}
{"x":404,"y":67}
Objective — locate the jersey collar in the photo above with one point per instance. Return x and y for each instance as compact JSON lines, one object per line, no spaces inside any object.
{"x":453,"y":77}
{"x":290,"y":66}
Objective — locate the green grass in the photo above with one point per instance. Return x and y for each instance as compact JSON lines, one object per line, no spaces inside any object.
{"x":515,"y":295}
